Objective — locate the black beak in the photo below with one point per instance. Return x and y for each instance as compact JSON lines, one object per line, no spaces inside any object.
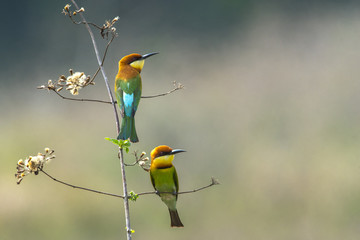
{"x":175,"y":151}
{"x":148,"y":55}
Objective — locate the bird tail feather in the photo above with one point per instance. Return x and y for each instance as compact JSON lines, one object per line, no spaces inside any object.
{"x":175,"y":219}
{"x":127,"y":129}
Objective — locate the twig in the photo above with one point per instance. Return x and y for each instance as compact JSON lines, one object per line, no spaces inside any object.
{"x":83,"y":22}
{"x":82,"y":188}
{"x":103,"y":59}
{"x":177,"y":87}
{"x":100,"y":66}
{"x":213,"y":182}
{"x":80,"y":99}
{"x":141,"y":160}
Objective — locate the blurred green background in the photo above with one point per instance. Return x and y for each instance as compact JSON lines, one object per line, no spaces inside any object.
{"x":270,"y":109}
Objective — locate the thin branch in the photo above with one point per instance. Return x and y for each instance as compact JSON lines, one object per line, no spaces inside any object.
{"x":213,"y":182}
{"x":139,"y":160}
{"x":83,"y":22}
{"x":124,"y":183}
{"x":177,"y":86}
{"x":81,"y":188}
{"x":103,"y":59}
{"x":67,"y":12}
{"x":100,"y":65}
{"x":80,"y":99}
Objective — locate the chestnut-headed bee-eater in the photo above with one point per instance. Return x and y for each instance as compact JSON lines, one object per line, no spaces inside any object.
{"x":165,"y":180}
{"x":128,"y":92}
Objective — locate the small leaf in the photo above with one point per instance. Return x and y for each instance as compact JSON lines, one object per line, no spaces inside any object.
{"x":133,"y":196}
{"x":123,"y":144}
{"x":113,"y":140}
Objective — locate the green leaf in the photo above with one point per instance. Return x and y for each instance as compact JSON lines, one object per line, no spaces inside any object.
{"x":123,"y":144}
{"x":133,"y":196}
{"x":113,"y":140}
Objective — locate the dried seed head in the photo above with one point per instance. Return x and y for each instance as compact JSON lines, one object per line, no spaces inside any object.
{"x":32,"y":164}
{"x":67,"y":7}
{"x":115,"y":19}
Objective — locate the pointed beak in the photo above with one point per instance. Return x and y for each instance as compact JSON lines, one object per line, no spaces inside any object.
{"x":175,"y":151}
{"x":148,"y":55}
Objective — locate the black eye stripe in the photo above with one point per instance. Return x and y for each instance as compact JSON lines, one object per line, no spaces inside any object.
{"x":163,"y":154}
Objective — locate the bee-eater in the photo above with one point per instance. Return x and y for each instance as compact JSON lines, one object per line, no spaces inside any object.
{"x":128,"y":92}
{"x":165,"y":180}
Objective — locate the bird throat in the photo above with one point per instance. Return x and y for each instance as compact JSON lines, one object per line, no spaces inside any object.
{"x":163,"y":161}
{"x":138,"y":65}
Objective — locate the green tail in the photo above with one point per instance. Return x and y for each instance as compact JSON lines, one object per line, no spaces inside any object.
{"x":127,"y":129}
{"x":175,"y":219}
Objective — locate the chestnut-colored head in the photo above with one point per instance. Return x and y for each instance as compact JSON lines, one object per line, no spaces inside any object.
{"x":162,"y":156}
{"x":135,"y":60}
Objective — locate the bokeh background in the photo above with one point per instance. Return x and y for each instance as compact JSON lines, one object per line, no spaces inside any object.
{"x":270,"y":109}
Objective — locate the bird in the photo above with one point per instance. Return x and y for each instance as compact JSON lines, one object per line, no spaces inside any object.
{"x":165,"y":180}
{"x":128,"y":88}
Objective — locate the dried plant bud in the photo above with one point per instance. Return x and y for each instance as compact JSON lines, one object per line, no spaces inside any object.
{"x":108,"y":27}
{"x":115,"y":19}
{"x":32,"y":164}
{"x":50,"y":86}
{"x":144,"y":162}
{"x":67,"y":7}
{"x":78,"y":11}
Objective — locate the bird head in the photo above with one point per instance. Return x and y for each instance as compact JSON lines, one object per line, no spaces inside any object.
{"x":162,"y":156}
{"x":136,"y":60}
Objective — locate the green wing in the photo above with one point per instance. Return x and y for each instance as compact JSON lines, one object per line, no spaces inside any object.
{"x":176,"y":181}
{"x":152,"y":180}
{"x":119,"y":96}
{"x":132,"y":87}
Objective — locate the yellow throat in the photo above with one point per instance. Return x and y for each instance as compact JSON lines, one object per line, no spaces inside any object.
{"x":163,"y":161}
{"x":138,"y":65}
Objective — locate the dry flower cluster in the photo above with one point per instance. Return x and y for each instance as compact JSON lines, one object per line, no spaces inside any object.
{"x":104,"y":30}
{"x":142,"y":161}
{"x":33,"y":164}
{"x":73,"y":83}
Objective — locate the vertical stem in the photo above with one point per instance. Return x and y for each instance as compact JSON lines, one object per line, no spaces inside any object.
{"x":126,"y":199}
{"x":100,"y":65}
{"x":121,"y":157}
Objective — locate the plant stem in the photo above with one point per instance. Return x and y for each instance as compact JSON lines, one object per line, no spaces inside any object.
{"x":126,"y":201}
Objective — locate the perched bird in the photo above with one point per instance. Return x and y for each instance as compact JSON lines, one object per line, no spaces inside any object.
{"x":165,"y":180}
{"x":128,"y":92}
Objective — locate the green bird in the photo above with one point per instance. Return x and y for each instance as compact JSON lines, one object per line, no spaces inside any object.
{"x":165,"y":180}
{"x":128,"y":88}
